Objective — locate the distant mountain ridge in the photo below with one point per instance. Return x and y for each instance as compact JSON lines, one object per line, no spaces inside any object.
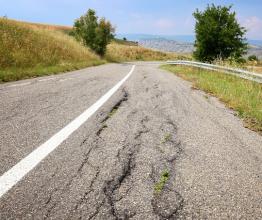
{"x":185,"y":47}
{"x":179,"y":38}
{"x":163,"y":44}
{"x":181,"y":43}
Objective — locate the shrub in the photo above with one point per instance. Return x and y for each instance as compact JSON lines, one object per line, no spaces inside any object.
{"x":252,"y":58}
{"x":218,"y":34}
{"x":93,"y":33}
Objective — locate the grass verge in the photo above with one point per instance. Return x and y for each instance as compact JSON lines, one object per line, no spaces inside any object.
{"x":14,"y":74}
{"x":244,"y":96}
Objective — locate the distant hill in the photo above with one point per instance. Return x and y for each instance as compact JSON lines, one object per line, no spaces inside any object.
{"x":179,"y":38}
{"x":255,"y":50}
{"x":138,"y":37}
{"x":167,"y":45}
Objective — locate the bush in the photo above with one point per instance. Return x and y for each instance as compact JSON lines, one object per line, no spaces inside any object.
{"x":252,"y":58}
{"x":218,"y":34}
{"x":93,"y":33}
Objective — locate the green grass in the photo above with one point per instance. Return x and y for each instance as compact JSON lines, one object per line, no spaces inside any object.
{"x":14,"y":74}
{"x":244,"y":96}
{"x":27,"y":51}
{"x":162,"y":182}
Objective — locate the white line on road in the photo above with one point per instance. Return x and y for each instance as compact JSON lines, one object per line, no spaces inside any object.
{"x":66,"y":79}
{"x":20,"y":84}
{"x":48,"y":79}
{"x":17,"y":172}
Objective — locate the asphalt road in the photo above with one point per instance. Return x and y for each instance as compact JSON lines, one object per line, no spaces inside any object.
{"x":109,"y":167}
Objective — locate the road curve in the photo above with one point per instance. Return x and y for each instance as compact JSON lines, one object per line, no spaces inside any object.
{"x":109,"y":167}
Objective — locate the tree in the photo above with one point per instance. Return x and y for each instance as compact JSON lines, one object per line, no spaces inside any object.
{"x":104,"y":34}
{"x":218,"y":34}
{"x":93,"y":33}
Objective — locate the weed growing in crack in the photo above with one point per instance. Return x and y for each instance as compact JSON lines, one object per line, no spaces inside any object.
{"x":166,"y":138}
{"x":105,"y":126}
{"x":114,"y":110}
{"x":163,"y":179}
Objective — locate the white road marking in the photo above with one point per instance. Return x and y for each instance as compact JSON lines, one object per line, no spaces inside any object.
{"x":17,"y":172}
{"x":48,"y":79}
{"x":20,"y":84}
{"x":62,"y":80}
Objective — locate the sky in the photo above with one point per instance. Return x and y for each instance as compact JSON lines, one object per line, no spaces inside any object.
{"x":166,"y":17}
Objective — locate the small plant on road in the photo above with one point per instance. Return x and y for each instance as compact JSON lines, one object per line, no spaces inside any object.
{"x":166,"y":138}
{"x":163,"y":180}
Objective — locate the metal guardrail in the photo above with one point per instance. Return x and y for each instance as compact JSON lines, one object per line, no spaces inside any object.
{"x":234,"y":71}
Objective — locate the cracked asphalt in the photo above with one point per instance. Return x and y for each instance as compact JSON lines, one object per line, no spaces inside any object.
{"x":109,"y":167}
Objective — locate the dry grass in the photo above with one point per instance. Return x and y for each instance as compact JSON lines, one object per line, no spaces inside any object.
{"x":120,"y":53}
{"x":30,"y":50}
{"x":39,"y":26}
{"x":242,"y":95}
{"x":125,"y":42}
{"x":25,"y":49}
{"x":254,"y":67}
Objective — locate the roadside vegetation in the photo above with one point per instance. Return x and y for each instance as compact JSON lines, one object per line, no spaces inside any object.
{"x":93,"y":32}
{"x":244,"y":96}
{"x":120,"y":52}
{"x":218,"y":35}
{"x":37,"y":26}
{"x":29,"y":52}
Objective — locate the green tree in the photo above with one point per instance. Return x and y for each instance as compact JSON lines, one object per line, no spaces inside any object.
{"x":93,"y":33}
{"x":218,"y":34}
{"x":104,"y":34}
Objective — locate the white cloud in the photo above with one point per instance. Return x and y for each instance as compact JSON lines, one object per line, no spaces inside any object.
{"x":254,"y":26}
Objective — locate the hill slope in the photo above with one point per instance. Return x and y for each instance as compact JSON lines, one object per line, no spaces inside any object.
{"x":166,"y":45}
{"x":31,"y":50}
{"x":117,"y":52}
{"x":27,"y":51}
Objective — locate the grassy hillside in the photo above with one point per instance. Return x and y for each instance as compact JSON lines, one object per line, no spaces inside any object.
{"x":242,"y":95}
{"x":28,"y":50}
{"x":125,"y":42}
{"x":64,"y":29}
{"x":31,"y":50}
{"x":120,"y":52}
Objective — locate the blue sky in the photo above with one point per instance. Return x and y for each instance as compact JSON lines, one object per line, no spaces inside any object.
{"x":169,"y":17}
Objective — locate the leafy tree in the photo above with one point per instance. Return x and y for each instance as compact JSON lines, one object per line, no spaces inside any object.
{"x":104,"y":34}
{"x":93,"y":33}
{"x":218,"y":34}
